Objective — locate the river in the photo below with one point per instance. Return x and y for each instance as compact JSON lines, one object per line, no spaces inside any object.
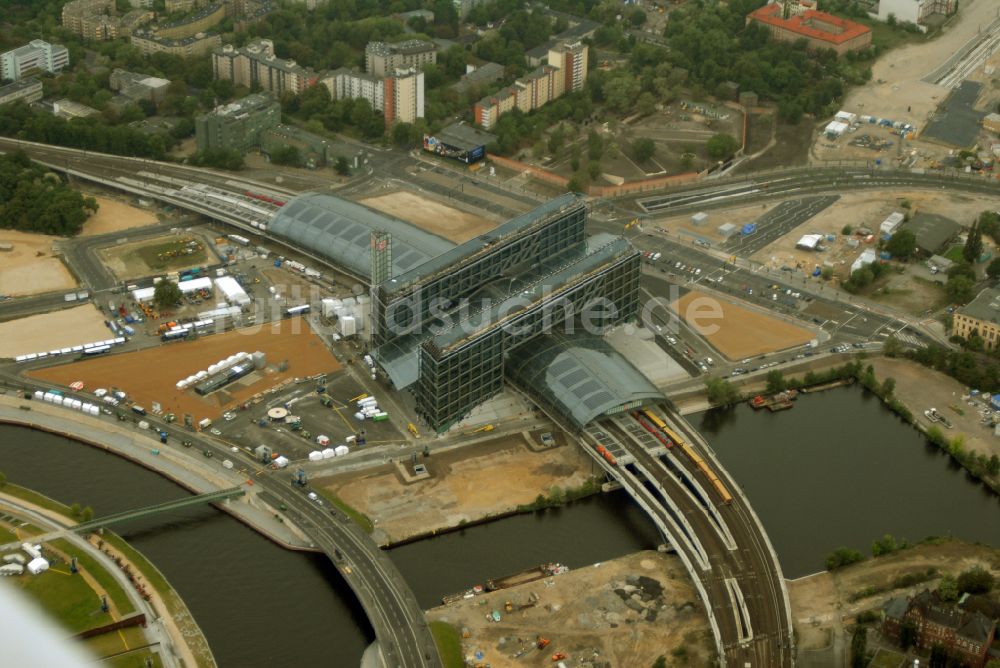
{"x":260,"y":605}
{"x":839,"y":469}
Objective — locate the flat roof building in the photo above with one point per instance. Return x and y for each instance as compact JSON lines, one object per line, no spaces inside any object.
{"x":239,"y":125}
{"x":460,"y":142}
{"x":198,"y":45}
{"x":29,"y":90}
{"x":819,"y":29}
{"x":34,"y":56}
{"x":932,"y":231}
{"x":382,"y":58}
{"x":136,"y":86}
{"x":256,"y":66}
{"x":68,"y":109}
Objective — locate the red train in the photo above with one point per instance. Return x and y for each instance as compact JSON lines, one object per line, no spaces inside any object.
{"x":265,"y":198}
{"x":610,"y":458}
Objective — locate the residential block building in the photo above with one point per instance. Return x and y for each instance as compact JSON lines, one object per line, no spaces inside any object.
{"x":149,"y":42}
{"x":381,"y":58}
{"x":133,"y":86}
{"x":239,"y":125}
{"x":399,"y":95}
{"x":819,"y":29}
{"x":97,"y":20}
{"x":255,"y":65}
{"x":34,"y":56}
{"x":565,"y":72}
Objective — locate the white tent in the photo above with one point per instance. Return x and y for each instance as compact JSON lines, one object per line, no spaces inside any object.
{"x":809,"y":241}
{"x":835,"y":128}
{"x":37,"y":565}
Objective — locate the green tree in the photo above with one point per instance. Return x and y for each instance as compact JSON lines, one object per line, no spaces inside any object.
{"x":775,"y":381}
{"x":885,"y":545}
{"x":286,"y":155}
{"x":993,"y":467}
{"x":973,"y":248}
{"x":948,"y":588}
{"x":74,"y":509}
{"x":959,"y":289}
{"x":643,"y":149}
{"x":902,"y":244}
{"x":892,"y":347}
{"x":908,"y":634}
{"x":166,"y":294}
{"x":842,"y":556}
{"x":993,"y":268}
{"x":722,"y":146}
{"x":721,"y":392}
{"x":859,"y":648}
{"x":661,"y":662}
{"x":86,"y":514}
{"x":646,"y":104}
{"x":888,"y":386}
{"x":342,"y":166}
{"x":976,"y":580}
{"x":847,"y":230}
{"x":595,"y":145}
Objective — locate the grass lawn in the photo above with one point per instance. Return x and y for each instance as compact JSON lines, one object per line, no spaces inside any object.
{"x":66,"y":598}
{"x":449,"y":644}
{"x":954,"y":254}
{"x":886,"y":659}
{"x":7,"y":536}
{"x":89,"y":564}
{"x":34,"y":497}
{"x":172,"y":254}
{"x":356,"y":516}
{"x":115,"y":641}
{"x":149,"y":571}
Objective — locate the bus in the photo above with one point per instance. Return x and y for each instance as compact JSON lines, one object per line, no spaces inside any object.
{"x":297,"y":310}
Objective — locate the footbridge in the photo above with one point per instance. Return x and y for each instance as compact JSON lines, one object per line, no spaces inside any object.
{"x":137,"y":513}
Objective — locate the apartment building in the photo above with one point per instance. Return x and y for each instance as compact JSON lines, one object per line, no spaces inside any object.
{"x":149,"y":42}
{"x":34,"y":56}
{"x":565,"y":72}
{"x":382,"y":58}
{"x":399,"y":96}
{"x":256,"y":65}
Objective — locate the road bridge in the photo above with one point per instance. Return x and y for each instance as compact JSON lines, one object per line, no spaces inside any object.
{"x":137,"y":513}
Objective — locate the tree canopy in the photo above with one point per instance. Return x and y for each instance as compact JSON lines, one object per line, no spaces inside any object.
{"x":166,"y":295}
{"x":902,"y":245}
{"x":33,"y":199}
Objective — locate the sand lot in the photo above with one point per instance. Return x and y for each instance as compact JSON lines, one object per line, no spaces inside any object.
{"x":150,"y":375}
{"x":865,"y":209}
{"x":584,"y":615}
{"x":465,"y":484}
{"x":114,"y":215}
{"x":740,"y":332}
{"x":896,"y":90}
{"x":444,"y":221}
{"x":820,"y":602}
{"x":29,"y":267}
{"x":48,"y":331}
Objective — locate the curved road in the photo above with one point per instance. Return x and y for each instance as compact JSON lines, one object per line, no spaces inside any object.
{"x":401,"y":628}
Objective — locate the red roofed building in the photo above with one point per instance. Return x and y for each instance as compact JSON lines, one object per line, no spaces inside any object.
{"x":819,"y":29}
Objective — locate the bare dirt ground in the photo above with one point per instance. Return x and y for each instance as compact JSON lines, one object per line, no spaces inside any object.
{"x":49,"y":331}
{"x":820,"y":602}
{"x":740,"y":332}
{"x":29,"y":268}
{"x":467,"y":484}
{"x":864,"y":209}
{"x":114,"y":215}
{"x":151,"y":375}
{"x":437,"y":218}
{"x":682,"y":225}
{"x":896,"y":84}
{"x":127,"y":261}
{"x":920,"y":388}
{"x":584,"y":615}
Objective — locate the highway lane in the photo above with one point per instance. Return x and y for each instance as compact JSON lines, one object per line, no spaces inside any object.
{"x":777,"y":222}
{"x":398,"y":620}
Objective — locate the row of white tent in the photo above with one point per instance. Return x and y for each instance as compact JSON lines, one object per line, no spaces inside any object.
{"x":30,"y":357}
{"x":68,"y":402}
{"x":368,"y":409}
{"x":328,"y":453}
{"x":213,"y":369}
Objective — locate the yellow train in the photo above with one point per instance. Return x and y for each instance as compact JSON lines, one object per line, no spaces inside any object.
{"x":692,"y":455}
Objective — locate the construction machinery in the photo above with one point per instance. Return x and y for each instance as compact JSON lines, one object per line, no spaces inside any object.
{"x":299,"y":478}
{"x":484,"y":428}
{"x":412,"y":428}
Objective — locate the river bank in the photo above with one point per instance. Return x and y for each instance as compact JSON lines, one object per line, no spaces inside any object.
{"x":121,"y":575}
{"x":464,"y":486}
{"x":139,"y":447}
{"x":623,"y":612}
